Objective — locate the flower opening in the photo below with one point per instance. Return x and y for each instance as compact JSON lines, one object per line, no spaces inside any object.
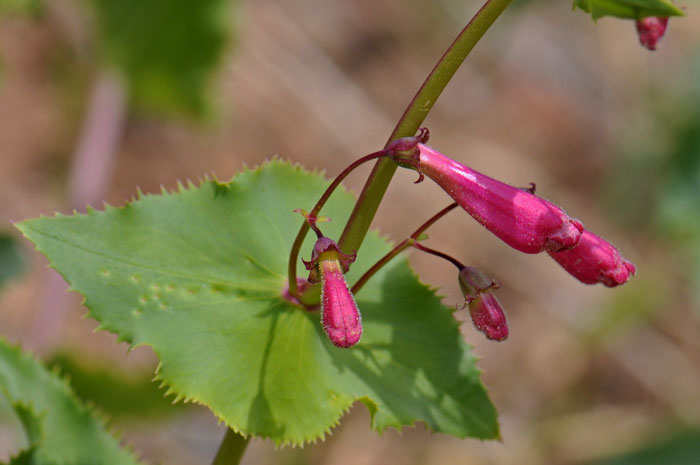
{"x":595,"y":260}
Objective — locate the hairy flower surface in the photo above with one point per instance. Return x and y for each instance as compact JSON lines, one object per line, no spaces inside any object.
{"x":524,"y":221}
{"x":340,"y":316}
{"x":484,"y":308}
{"x":651,"y":30}
{"x":339,"y":313}
{"x":595,"y":260}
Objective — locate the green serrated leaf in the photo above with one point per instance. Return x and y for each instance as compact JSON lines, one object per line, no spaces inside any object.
{"x":60,"y":430}
{"x":31,"y":422}
{"x":167,"y":49}
{"x":118,"y":394}
{"x":679,"y":448}
{"x":31,"y":425}
{"x":198,"y":275}
{"x":630,"y":9}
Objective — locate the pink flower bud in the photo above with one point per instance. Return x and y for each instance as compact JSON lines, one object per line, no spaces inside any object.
{"x":651,"y":29}
{"x":521,"y":219}
{"x":595,"y":260}
{"x":484,"y":308}
{"x":339,"y":313}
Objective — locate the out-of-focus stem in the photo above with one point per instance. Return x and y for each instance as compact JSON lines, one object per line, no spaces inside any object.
{"x":408,"y":242}
{"x":231,"y":449}
{"x":94,"y":155}
{"x":91,"y":170}
{"x":414,"y":115}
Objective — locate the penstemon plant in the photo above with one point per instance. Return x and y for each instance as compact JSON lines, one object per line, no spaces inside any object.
{"x":279,"y":332}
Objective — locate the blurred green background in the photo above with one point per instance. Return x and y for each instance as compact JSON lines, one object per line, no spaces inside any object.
{"x":99,"y":97}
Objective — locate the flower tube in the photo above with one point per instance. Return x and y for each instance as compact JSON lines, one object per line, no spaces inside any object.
{"x":524,"y":221}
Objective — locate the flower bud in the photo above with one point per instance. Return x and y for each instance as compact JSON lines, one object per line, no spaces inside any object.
{"x":339,"y":313}
{"x":521,"y":219}
{"x":340,"y":316}
{"x":595,"y":260}
{"x":650,"y":30}
{"x":484,"y":308}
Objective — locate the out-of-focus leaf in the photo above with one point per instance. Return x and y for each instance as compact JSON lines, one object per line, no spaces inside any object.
{"x":12,"y":430}
{"x":629,"y":307}
{"x":60,"y":430}
{"x":167,"y":49}
{"x":631,"y":9}
{"x":654,"y":185}
{"x":28,"y":7}
{"x":11,"y":260}
{"x":680,"y":449}
{"x":199,"y":275}
{"x":115,"y":393}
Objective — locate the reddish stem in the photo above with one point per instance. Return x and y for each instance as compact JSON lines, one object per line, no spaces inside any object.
{"x":437,"y":253}
{"x":409,"y":241}
{"x":294,"y":253}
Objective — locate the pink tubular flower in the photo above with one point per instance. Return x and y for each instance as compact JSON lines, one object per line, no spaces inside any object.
{"x":651,"y":29}
{"x":339,"y":313}
{"x":595,"y":260}
{"x":521,"y":219}
{"x":484,"y":308}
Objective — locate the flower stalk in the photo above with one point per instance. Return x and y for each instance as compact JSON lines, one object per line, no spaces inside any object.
{"x":403,"y":245}
{"x":231,"y":448}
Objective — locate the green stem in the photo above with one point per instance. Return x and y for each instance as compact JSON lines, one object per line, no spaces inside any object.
{"x":301,"y":235}
{"x":375,"y":187}
{"x":408,"y":242}
{"x":231,"y":449}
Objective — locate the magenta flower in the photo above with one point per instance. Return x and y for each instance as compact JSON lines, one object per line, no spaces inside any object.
{"x":340,"y":316}
{"x":484,"y":308}
{"x":651,"y":29}
{"x":595,"y":260}
{"x":521,"y":219}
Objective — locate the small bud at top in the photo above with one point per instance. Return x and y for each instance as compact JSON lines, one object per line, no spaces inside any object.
{"x":484,"y":308}
{"x":651,"y":29}
{"x":595,"y":260}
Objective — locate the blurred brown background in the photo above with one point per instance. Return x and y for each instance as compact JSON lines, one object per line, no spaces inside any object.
{"x":607,"y":129}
